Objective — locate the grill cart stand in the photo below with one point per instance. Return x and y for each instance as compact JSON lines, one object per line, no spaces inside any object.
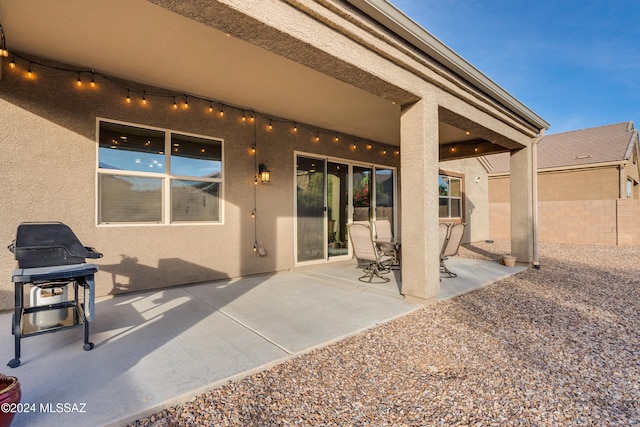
{"x":72,"y":313}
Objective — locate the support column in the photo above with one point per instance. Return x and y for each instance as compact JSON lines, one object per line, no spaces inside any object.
{"x":522,"y":204}
{"x":419,"y":202}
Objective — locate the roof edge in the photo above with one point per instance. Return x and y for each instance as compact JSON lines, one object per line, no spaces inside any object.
{"x":397,"y":21}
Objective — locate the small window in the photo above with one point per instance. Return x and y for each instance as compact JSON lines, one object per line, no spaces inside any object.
{"x":629,"y":188}
{"x":450,"y":191}
{"x":157,"y":176}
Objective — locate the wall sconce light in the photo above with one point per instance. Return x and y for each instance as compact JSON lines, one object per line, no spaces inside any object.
{"x":264,"y":173}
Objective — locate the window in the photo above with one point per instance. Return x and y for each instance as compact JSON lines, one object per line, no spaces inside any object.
{"x":629,"y":188}
{"x":157,"y":176}
{"x":450,"y":190}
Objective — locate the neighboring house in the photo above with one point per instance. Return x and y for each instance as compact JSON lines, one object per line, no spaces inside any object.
{"x":588,"y":188}
{"x":150,"y":126}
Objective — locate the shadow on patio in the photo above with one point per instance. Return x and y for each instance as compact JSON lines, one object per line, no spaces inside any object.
{"x":163,"y":347}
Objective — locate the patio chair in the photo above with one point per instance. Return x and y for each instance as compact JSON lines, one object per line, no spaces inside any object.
{"x":385,"y":243}
{"x":451,"y":246}
{"x":365,"y":250}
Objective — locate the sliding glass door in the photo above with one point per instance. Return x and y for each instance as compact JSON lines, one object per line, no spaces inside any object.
{"x":337,"y":208}
{"x":310,"y":211}
{"x":362,"y":193}
{"x":331,"y":194}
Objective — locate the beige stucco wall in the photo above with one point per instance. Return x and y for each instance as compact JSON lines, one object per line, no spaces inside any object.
{"x":49,"y":174}
{"x":584,"y":184}
{"x":476,"y":197}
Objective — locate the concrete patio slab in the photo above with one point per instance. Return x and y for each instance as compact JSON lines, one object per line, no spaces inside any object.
{"x":160,"y":348}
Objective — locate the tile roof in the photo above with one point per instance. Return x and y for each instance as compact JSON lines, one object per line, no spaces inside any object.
{"x":601,"y":144}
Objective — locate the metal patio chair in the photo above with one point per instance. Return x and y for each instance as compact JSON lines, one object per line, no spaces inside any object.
{"x":365,"y":250}
{"x":384,"y":241}
{"x":451,"y":246}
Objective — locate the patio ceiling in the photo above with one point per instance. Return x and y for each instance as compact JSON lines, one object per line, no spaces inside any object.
{"x":140,"y":41}
{"x":146,"y":43}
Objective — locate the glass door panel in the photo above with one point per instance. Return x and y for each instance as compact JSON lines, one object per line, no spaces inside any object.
{"x":310,"y":222}
{"x":337,"y":208}
{"x":384,"y":195}
{"x":361,"y":193}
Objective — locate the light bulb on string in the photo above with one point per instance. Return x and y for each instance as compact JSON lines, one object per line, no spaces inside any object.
{"x":270,"y":126}
{"x":29,"y":72}
{"x":175,"y":105}
{"x":12,"y":64}
{"x":221,"y":110}
{"x":79,"y":80}
{"x":144,"y":98}
{"x":211,"y":107}
{"x":186,"y":101}
{"x":93,"y":79}
{"x":128,"y":96}
{"x":244,"y":117}
{"x":295,"y":127}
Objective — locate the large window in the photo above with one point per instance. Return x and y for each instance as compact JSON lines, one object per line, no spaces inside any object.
{"x":450,"y":190}
{"x":157,"y":176}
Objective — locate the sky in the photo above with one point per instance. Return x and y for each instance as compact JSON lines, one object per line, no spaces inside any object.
{"x":574,"y":63}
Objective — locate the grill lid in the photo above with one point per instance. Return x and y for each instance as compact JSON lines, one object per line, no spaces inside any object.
{"x":42,"y":244}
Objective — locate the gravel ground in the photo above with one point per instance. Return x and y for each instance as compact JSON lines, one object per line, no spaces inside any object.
{"x":548,"y":347}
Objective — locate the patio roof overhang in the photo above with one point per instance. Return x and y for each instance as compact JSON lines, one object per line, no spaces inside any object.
{"x":214,"y":51}
{"x":147,"y":43}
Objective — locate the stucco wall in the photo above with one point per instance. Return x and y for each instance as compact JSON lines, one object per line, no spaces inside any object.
{"x":600,"y":222}
{"x":476,"y":200}
{"x":586,"y":184}
{"x":49,"y":174}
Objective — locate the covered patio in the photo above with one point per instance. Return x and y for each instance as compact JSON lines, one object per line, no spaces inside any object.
{"x":354,"y":83}
{"x":159,"y":348}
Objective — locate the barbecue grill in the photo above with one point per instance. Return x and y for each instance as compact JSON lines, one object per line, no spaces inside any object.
{"x":51,"y":259}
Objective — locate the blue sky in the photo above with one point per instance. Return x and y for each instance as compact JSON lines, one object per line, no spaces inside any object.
{"x":575,"y":63}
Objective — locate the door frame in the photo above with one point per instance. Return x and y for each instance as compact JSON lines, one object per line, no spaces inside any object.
{"x":350,"y":164}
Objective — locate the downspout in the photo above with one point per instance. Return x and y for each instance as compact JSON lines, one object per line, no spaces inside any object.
{"x":534,"y":198}
{"x":622,"y":181}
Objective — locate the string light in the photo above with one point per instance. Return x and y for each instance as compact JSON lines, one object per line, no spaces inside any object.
{"x":251,"y":116}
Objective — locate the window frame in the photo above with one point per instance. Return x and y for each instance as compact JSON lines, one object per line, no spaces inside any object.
{"x":461,"y":178}
{"x":166,"y":178}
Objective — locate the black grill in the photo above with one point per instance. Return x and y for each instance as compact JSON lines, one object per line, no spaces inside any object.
{"x":52,"y":260}
{"x":45,"y":244}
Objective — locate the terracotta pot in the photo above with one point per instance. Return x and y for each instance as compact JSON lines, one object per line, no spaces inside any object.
{"x":10,"y":393}
{"x":509,"y":260}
